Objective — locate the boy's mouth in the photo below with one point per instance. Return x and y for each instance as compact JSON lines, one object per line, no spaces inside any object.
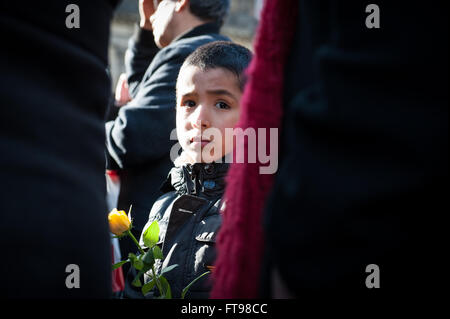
{"x":198,"y":140}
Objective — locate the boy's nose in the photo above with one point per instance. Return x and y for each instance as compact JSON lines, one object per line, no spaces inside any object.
{"x":200,"y":119}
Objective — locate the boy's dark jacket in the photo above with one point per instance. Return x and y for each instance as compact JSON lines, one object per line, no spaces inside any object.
{"x":138,"y":140}
{"x":189,"y":217}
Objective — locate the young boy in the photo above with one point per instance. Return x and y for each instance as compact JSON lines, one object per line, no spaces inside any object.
{"x":209,"y":89}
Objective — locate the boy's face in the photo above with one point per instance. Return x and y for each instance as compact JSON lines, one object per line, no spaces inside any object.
{"x":207,"y":102}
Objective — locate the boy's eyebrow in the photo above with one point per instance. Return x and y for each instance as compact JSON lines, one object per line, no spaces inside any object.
{"x":188,"y":94}
{"x":222,"y":92}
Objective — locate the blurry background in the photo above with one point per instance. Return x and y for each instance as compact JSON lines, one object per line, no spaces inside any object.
{"x":240,"y":26}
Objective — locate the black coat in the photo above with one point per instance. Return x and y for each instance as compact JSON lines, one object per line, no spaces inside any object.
{"x":54,"y":91}
{"x":138,"y":141}
{"x":363,"y":174}
{"x":188,"y":215}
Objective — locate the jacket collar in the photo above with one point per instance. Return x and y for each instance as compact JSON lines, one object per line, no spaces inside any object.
{"x":204,"y":180}
{"x":202,"y":29}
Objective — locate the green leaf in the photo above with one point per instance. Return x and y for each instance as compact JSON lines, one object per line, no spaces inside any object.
{"x":157,"y":253}
{"x":146,"y":267}
{"x":138,"y":264}
{"x":119,"y":264}
{"x":148,"y":286}
{"x":151,"y":235}
{"x":185,"y":290}
{"x":167,"y":292}
{"x":167,"y":269}
{"x":136,"y":281}
{"x":148,"y":258}
{"x":135,"y":261}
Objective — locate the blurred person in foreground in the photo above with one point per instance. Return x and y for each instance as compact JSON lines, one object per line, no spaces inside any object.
{"x":54,"y":90}
{"x":363,"y":170}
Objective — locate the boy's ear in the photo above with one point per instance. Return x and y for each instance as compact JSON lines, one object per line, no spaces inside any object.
{"x":181,"y":5}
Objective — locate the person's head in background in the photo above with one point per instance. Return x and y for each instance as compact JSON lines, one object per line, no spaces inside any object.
{"x":209,"y":89}
{"x":170,"y":18}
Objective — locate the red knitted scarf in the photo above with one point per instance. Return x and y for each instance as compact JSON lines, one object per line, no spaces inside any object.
{"x":240,"y":240}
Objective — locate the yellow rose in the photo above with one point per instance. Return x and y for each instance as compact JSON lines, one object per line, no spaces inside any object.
{"x":118,"y":222}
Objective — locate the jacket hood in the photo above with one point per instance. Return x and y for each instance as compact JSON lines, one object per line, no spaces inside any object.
{"x":202,"y":179}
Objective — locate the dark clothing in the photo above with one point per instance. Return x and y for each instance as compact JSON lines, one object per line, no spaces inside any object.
{"x":240,"y":242}
{"x":189,"y":217}
{"x":138,"y":141}
{"x":54,"y":91}
{"x":364,"y":149}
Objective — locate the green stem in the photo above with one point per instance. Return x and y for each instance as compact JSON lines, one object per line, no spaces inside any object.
{"x":129,"y":233}
{"x":158,"y":284}
{"x":185,"y":290}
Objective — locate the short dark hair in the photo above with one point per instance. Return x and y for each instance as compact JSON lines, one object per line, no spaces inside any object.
{"x":210,"y":10}
{"x":221,"y":54}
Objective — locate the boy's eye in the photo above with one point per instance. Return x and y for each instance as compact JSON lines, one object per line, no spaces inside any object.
{"x":222,"y":105}
{"x":188,"y":103}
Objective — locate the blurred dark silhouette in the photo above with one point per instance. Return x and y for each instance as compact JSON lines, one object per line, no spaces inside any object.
{"x":54,"y":91}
